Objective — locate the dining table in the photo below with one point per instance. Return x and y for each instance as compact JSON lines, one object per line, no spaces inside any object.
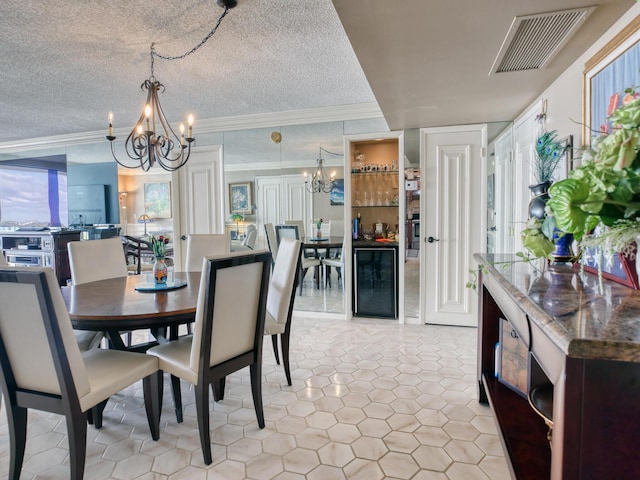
{"x":131,"y":303}
{"x":317,"y":245}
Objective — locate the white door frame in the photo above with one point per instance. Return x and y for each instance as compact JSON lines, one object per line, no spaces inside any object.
{"x":469,"y":304}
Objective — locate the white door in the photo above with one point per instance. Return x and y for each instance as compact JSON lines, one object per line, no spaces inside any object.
{"x":282,"y":198}
{"x":297,"y":201}
{"x":268,"y":194}
{"x":201,"y":197}
{"x":453,"y":201}
{"x":503,"y":200}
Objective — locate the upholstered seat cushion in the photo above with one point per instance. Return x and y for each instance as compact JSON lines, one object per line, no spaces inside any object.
{"x":110,"y":371}
{"x":87,"y":340}
{"x":174,"y":356}
{"x":271,"y":327}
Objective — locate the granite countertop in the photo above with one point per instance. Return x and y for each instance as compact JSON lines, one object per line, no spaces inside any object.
{"x":582,"y":320}
{"x":373,"y":243}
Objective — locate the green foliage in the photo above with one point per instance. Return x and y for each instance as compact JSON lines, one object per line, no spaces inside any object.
{"x":549,"y":152}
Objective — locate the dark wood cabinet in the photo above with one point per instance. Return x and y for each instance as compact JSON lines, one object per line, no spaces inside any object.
{"x":39,"y":248}
{"x":586,"y":343}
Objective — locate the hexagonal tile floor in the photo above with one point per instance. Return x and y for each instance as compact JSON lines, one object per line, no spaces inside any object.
{"x":370,"y":400}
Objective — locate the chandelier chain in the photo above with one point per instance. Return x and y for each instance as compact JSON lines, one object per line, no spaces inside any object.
{"x":201,"y":43}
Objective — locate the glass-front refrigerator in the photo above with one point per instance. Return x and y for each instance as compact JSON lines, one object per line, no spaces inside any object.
{"x":375,"y":289}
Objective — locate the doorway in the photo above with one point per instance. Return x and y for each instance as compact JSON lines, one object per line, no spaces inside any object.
{"x":451,"y":161}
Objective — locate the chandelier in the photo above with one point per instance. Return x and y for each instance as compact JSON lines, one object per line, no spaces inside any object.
{"x":320,"y":181}
{"x":152,"y":140}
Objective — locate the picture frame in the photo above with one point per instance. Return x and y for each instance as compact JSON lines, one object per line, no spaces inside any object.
{"x":615,"y":266}
{"x":336,"y":194}
{"x":240,"y":197}
{"x":612,"y":69}
{"x":157,"y":199}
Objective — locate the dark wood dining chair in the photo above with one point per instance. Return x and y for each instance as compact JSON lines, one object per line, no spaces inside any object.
{"x":43,"y":368}
{"x":228,"y":333}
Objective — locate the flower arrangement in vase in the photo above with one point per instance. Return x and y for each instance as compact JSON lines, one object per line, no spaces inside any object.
{"x":159,"y":245}
{"x":541,"y":237}
{"x":604,"y":191}
{"x":318,"y":222}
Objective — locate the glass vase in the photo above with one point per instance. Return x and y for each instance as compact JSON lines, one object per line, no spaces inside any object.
{"x":160,"y":271}
{"x":318,"y":233}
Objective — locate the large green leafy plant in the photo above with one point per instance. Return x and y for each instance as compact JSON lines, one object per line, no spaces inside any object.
{"x":605,"y":189}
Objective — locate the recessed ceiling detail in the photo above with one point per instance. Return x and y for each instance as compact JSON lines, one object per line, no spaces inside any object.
{"x":533,"y":40}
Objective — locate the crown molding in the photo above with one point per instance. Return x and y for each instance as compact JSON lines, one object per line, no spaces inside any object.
{"x":358,"y":111}
{"x":258,"y":166}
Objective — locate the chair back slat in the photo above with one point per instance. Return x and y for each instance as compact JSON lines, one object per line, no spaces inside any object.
{"x":200,"y":246}
{"x":272,"y":241}
{"x":37,"y":336}
{"x":95,"y":260}
{"x":284,"y":280}
{"x":231,"y":308}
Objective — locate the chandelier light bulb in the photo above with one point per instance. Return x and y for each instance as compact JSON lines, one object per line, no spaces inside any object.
{"x":158,"y":144}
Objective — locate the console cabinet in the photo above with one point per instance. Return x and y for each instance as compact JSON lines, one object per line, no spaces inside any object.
{"x":582,"y":340}
{"x":39,"y":248}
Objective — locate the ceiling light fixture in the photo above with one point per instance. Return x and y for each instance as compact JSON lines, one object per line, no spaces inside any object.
{"x":152,"y":139}
{"x":320,"y":181}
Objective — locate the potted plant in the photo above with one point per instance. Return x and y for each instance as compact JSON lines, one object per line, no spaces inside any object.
{"x":540,"y":237}
{"x":605,"y":190}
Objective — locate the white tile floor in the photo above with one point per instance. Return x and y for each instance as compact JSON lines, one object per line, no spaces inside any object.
{"x":370,"y":400}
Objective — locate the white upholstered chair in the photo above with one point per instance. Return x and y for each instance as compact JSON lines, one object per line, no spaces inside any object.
{"x":272,"y":241}
{"x":3,"y":261}
{"x":291,"y":231}
{"x":280,"y":299}
{"x":335,"y":262}
{"x":250,"y":236}
{"x":300,"y":225}
{"x":43,"y":368}
{"x":95,"y":260}
{"x":228,"y":333}
{"x":205,"y":245}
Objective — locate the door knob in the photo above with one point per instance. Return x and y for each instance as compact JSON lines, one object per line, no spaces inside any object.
{"x":183,"y":237}
{"x":431,"y":239}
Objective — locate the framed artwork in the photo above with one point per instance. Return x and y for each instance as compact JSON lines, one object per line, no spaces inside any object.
{"x":157,"y":200}
{"x":240,"y":199}
{"x":607,"y":74}
{"x":615,"y":266}
{"x":336,"y":195}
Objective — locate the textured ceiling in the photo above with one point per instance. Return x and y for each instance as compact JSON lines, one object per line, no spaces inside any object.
{"x":66,"y":63}
{"x":428,"y":61}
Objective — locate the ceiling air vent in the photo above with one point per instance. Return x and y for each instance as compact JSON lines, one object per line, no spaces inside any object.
{"x":533,"y":40}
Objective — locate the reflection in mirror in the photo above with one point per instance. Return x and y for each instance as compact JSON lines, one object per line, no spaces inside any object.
{"x":412,"y":225}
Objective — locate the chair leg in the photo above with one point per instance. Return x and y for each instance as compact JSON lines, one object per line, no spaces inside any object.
{"x":77,"y":433}
{"x":274,"y":342}
{"x":217,"y":387}
{"x":17,"y":419}
{"x":284,"y":341}
{"x":256,"y":391}
{"x":152,"y":388}
{"x":96,"y":414}
{"x":303,"y":272}
{"x":202,"y":412}
{"x":177,"y":397}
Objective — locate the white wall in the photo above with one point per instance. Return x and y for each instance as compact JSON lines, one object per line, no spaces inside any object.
{"x":565,"y":95}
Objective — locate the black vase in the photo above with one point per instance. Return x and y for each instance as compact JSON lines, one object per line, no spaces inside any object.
{"x":539,"y":201}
